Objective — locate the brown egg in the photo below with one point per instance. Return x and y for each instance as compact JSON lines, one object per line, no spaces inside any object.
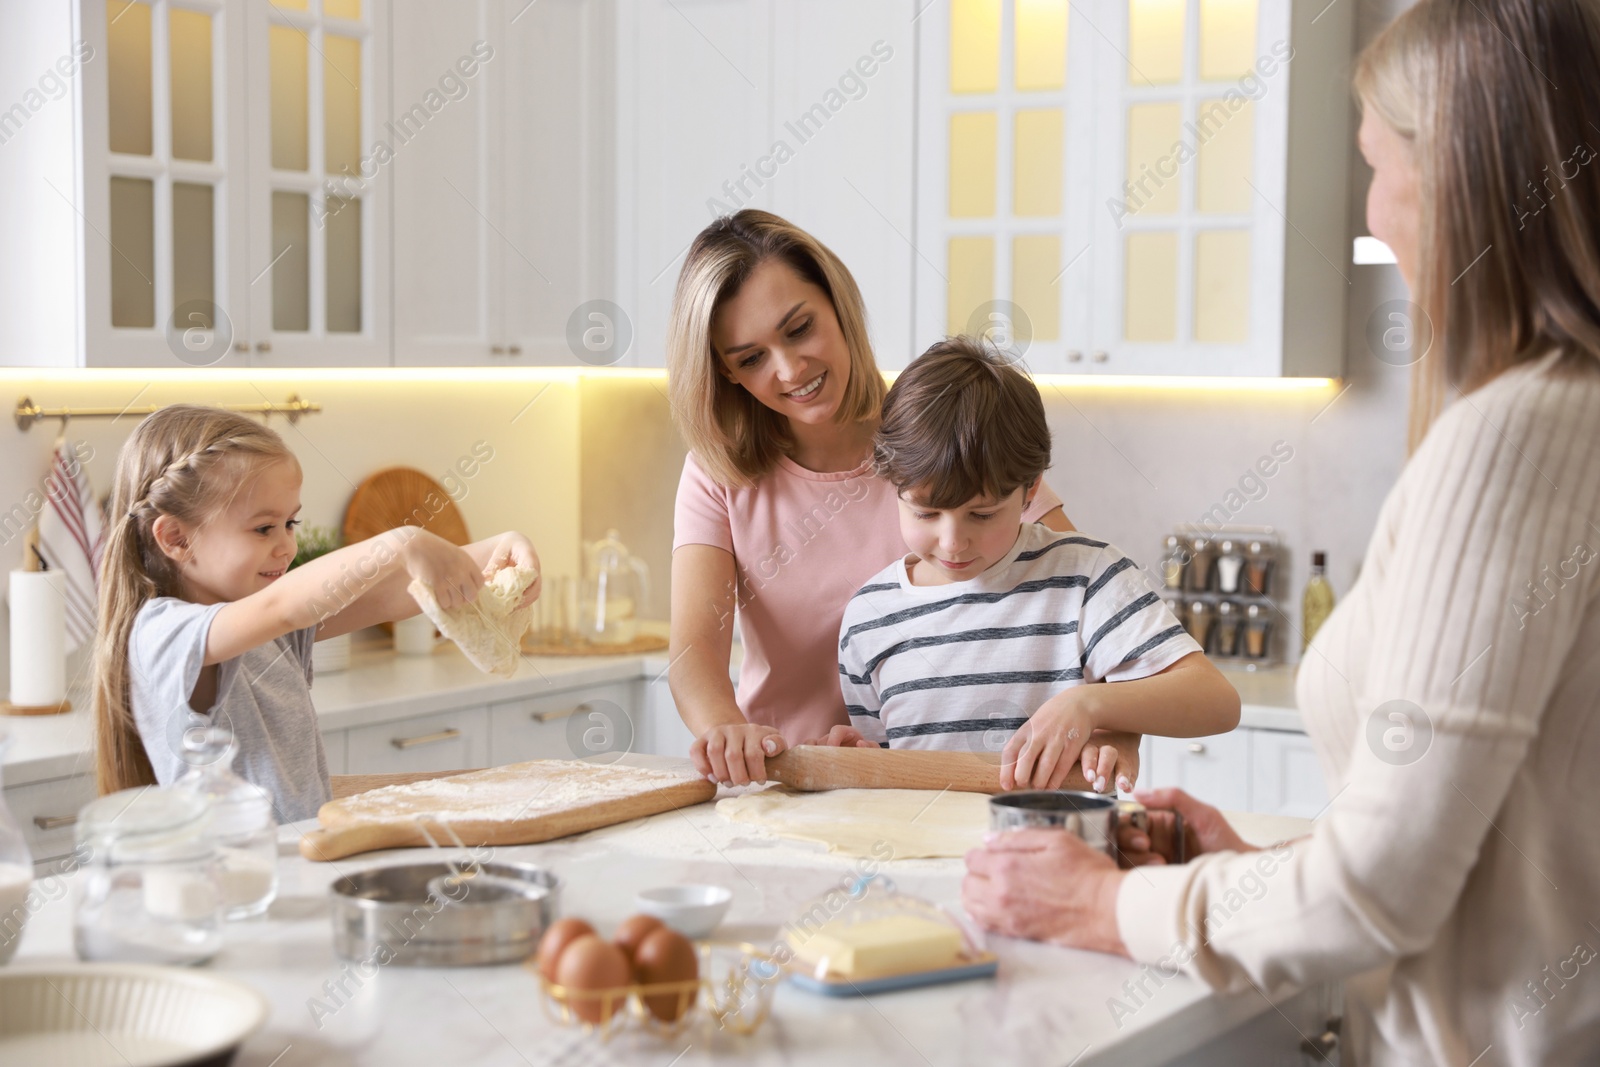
{"x":667,"y":956}
{"x":557,"y":936}
{"x":634,"y":929}
{"x":591,"y":964}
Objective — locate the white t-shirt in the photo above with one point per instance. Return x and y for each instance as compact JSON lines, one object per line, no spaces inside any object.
{"x":962,"y":666}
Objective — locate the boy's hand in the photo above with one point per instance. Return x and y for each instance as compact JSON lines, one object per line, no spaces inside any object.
{"x":844,"y":737}
{"x":1041,"y":754}
{"x":512,"y":549}
{"x":452,"y":575}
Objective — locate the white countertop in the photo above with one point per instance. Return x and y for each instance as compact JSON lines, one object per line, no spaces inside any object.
{"x":1046,"y":1006}
{"x":381,"y":686}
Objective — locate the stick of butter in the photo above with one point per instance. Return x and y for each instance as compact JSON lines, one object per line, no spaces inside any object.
{"x":893,"y":945}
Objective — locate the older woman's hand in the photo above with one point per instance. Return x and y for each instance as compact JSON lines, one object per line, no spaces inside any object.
{"x":1205,"y":830}
{"x":1045,"y":885}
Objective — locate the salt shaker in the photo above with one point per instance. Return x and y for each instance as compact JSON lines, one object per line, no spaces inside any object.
{"x":1230,"y":564}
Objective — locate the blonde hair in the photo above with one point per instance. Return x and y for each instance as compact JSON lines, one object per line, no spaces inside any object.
{"x":1495,"y":142}
{"x":735,"y":437}
{"x":183,"y":461}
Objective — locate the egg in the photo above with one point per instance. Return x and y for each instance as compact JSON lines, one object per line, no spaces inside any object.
{"x":557,"y":936}
{"x":590,"y":964}
{"x":667,"y":956}
{"x":634,"y":929}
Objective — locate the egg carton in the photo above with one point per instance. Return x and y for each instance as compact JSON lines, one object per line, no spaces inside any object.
{"x":734,"y":989}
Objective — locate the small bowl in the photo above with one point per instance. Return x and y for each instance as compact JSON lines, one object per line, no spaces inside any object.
{"x":692,"y":910}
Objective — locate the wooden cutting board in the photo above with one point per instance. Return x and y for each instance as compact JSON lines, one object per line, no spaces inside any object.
{"x":518,"y":804}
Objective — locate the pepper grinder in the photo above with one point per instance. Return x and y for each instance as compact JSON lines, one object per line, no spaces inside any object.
{"x":1257,"y":568}
{"x":1203,"y":555}
{"x":1199,"y":622}
{"x":1230,"y":565}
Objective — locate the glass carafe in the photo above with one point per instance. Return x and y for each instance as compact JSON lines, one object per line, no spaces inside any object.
{"x":615,"y":586}
{"x":242,"y":828}
{"x":16,"y":874}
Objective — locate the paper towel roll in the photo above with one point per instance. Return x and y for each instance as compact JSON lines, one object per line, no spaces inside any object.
{"x":38,"y":638}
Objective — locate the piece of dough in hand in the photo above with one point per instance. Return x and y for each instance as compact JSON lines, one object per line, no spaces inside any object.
{"x":489,"y":630}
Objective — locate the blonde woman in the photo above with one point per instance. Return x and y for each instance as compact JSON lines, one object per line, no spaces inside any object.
{"x":774,"y":387}
{"x":1452,"y":884}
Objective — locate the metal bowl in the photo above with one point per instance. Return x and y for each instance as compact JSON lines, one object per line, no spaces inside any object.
{"x":387,"y":915}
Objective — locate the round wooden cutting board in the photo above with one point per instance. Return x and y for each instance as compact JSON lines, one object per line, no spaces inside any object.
{"x":402,"y":496}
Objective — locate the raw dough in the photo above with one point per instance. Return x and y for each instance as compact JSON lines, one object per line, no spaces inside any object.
{"x":915,"y":823}
{"x":489,"y":630}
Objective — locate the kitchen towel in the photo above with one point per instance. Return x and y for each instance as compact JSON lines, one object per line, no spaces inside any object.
{"x":72,"y":538}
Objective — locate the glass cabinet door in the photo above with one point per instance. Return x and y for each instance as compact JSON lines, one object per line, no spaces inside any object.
{"x":161,"y":182}
{"x":1188,"y":280}
{"x":1004,"y":177}
{"x":319,"y":245}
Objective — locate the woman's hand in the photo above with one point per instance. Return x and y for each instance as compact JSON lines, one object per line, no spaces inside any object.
{"x":512,"y":549}
{"x":1045,"y":885}
{"x":449,"y":571}
{"x":735,"y":754}
{"x":1205,"y":830}
{"x":844,"y":737}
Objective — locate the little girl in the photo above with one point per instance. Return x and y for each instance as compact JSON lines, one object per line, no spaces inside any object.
{"x":199,"y":612}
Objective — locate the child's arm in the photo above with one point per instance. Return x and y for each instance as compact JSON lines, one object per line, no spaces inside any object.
{"x":1188,"y":698}
{"x":309,"y":595}
{"x":860,"y":691}
{"x":388,"y":600}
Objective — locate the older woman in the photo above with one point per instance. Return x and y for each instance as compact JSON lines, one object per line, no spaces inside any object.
{"x":774,"y":387}
{"x":1454,"y":881}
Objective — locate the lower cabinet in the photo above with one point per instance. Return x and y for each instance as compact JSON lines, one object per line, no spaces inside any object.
{"x":47,"y":812}
{"x":445,"y":741}
{"x":1270,"y":772}
{"x":664,"y":731}
{"x":594,"y":721}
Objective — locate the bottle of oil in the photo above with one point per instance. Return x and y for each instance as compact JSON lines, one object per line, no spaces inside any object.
{"x":1317,"y":603}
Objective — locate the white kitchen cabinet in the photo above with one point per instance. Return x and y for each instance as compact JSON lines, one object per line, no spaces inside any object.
{"x":664,"y":732}
{"x":336,"y":746}
{"x":1285,"y":777}
{"x":500,"y":200}
{"x":1136,"y":186}
{"x":204,"y":190}
{"x":47,"y":811}
{"x":445,"y":741}
{"x":593,"y":721}
{"x":1215,"y":769}
{"x":693,"y":123}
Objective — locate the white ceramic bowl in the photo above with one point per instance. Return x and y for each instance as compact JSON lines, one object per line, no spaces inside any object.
{"x":123,"y":1014}
{"x":692,"y":910}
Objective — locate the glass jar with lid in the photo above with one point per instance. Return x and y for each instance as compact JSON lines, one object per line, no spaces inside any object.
{"x":242,"y":828}
{"x":150,"y":891}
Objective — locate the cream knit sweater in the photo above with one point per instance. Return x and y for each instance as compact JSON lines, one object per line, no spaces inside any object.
{"x":1454,"y":880}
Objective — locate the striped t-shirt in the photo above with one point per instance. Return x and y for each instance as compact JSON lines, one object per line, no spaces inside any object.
{"x":962,"y":666}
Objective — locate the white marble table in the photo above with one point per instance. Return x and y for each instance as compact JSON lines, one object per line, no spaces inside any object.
{"x":1047,"y":1006}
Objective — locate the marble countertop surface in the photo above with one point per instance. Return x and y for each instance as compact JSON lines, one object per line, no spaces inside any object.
{"x":1046,"y":1006}
{"x":382,"y":686}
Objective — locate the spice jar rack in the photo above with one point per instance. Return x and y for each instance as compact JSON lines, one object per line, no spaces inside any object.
{"x":1218,"y":581}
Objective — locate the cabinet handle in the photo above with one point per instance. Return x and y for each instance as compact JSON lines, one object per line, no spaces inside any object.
{"x":1101,"y":357}
{"x":263,"y":346}
{"x":426,"y":739}
{"x":241,"y":346}
{"x":514,"y":350}
{"x":1074,"y":356}
{"x":53,"y":822}
{"x":497,"y":350}
{"x":1197,"y":748}
{"x":552,"y":716}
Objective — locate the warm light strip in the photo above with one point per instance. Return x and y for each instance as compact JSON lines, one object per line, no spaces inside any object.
{"x":1190,"y":383}
{"x":571,"y":375}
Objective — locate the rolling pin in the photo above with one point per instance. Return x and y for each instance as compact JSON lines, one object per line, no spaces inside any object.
{"x":813,"y":768}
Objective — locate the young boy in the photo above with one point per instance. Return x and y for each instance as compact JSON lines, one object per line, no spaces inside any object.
{"x":991,"y":628}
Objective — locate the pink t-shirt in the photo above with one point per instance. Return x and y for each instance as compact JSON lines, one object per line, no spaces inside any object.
{"x":802,"y":543}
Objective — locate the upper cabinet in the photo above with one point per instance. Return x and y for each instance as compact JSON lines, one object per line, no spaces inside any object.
{"x":1137,"y":187}
{"x":803,"y":109}
{"x":501,"y":187}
